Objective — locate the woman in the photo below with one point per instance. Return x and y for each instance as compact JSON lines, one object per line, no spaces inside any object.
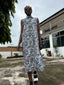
{"x":31,"y":44}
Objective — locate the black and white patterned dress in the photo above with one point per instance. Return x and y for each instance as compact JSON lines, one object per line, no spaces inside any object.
{"x":33,"y":60}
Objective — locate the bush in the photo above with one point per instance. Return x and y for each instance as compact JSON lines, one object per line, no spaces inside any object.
{"x":16,"y":54}
{"x":0,"y":56}
{"x":42,"y":54}
{"x":56,"y":49}
{"x":58,"y":55}
{"x":62,"y":56}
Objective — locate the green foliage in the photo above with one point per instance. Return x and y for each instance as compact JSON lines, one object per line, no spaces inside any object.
{"x":58,"y":55}
{"x":0,"y":56}
{"x":46,"y":50}
{"x":16,"y":54}
{"x":62,"y":56}
{"x":7,"y":8}
{"x":42,"y":54}
{"x":56,"y":49}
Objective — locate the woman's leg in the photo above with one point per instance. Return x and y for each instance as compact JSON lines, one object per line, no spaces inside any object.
{"x":30,"y":76}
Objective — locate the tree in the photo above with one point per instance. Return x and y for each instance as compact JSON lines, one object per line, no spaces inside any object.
{"x":7,"y":9}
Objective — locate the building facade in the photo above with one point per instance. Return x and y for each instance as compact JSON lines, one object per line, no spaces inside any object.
{"x":52,"y":34}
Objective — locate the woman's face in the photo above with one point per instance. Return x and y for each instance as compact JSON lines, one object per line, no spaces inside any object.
{"x":28,"y":11}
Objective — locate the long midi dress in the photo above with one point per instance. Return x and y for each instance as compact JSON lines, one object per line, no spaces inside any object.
{"x":33,"y":60}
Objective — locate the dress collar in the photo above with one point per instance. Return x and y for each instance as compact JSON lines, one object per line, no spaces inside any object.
{"x":29,"y":17}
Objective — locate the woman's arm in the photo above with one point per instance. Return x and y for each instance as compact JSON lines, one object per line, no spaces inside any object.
{"x":20,"y":39}
{"x":39,"y":36}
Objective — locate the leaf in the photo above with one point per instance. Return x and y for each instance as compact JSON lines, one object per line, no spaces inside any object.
{"x":6,"y":7}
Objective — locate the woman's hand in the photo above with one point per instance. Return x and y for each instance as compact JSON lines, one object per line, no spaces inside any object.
{"x":18,"y":48}
{"x":40,"y":46}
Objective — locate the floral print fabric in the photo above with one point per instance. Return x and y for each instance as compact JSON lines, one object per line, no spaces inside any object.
{"x":33,"y":60}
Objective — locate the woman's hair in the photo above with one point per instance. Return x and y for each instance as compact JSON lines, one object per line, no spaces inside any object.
{"x":28,"y":10}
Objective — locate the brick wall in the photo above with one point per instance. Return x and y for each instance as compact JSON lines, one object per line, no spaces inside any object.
{"x":9,"y":49}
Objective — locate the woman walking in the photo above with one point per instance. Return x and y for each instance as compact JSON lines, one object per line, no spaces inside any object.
{"x":31,"y":45}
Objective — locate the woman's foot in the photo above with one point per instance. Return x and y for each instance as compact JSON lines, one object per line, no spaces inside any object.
{"x":35,"y":77}
{"x":31,"y":82}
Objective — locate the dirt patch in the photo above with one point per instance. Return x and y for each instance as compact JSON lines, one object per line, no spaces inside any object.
{"x":62,"y":84}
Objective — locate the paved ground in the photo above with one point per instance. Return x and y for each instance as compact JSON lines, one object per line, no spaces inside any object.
{"x":12,"y":71}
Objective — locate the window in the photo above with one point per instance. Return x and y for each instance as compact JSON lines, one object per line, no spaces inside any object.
{"x":45,"y":42}
{"x":58,"y":38}
{"x":62,"y":33}
{"x":55,"y":34}
{"x":56,"y":41}
{"x":62,"y":41}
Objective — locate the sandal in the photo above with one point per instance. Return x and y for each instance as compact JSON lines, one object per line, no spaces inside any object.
{"x":35,"y":79}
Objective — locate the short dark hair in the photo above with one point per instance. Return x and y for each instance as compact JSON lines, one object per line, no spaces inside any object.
{"x":28,"y":9}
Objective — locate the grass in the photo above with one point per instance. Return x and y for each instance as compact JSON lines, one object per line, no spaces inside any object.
{"x":2,"y":59}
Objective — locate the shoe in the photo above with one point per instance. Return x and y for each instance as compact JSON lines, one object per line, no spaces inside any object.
{"x":31,"y":82}
{"x":35,"y":79}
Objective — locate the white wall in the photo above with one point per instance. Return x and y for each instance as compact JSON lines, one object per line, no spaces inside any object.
{"x":60,"y":51}
{"x":8,"y":53}
{"x":43,"y":51}
{"x":5,"y":54}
